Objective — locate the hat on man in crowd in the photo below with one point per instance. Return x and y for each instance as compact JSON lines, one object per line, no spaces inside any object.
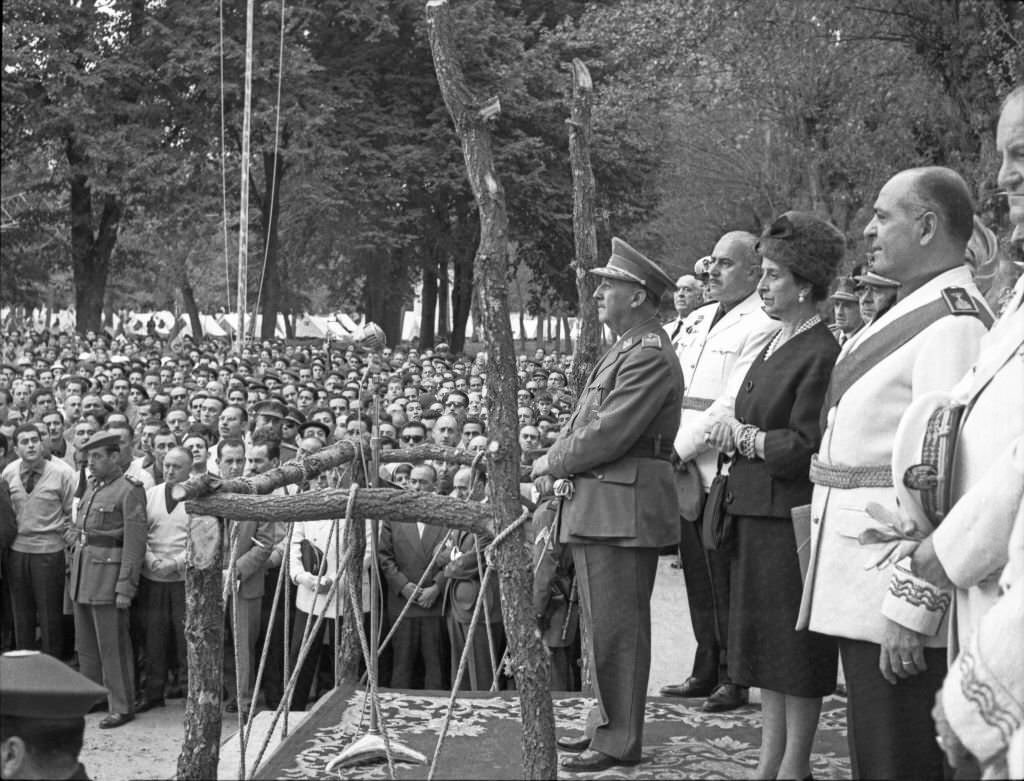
{"x":101,"y":439}
{"x":270,"y":408}
{"x":317,"y":425}
{"x":846,"y":290}
{"x":294,"y":416}
{"x":629,"y":265}
{"x":34,"y":685}
{"x":807,"y":245}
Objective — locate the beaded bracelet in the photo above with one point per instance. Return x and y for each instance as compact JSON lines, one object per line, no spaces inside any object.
{"x":746,"y":443}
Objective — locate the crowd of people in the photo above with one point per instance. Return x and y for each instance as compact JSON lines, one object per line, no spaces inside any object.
{"x":711,"y":434}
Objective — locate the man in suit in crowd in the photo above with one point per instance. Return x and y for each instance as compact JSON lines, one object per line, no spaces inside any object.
{"x":689,"y":295}
{"x":406,"y":551}
{"x":922,"y":221}
{"x":846,"y":310}
{"x":616,"y":450}
{"x":250,"y":544}
{"x":715,"y":351}
{"x":109,"y":537}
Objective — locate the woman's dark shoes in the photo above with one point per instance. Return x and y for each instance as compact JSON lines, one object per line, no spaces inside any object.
{"x":592,"y":761}
{"x":115,"y":720}
{"x":691,"y":687}
{"x":726,"y":697}
{"x":567,"y":743}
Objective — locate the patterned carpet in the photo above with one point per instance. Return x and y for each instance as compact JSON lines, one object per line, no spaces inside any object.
{"x":485,"y":733}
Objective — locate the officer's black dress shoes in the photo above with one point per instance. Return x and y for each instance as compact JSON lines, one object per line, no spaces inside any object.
{"x":691,"y":687}
{"x":592,"y":761}
{"x":726,"y":697}
{"x":567,"y":743}
{"x":116,"y":720}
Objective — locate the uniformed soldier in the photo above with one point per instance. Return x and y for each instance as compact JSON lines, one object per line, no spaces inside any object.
{"x":109,"y":539}
{"x":42,"y":707}
{"x":616,"y":451}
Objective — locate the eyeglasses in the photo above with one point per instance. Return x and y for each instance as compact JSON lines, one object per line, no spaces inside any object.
{"x":413,"y":438}
{"x":455,"y":403}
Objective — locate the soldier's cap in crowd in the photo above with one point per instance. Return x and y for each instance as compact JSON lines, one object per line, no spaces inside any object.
{"x":270,"y":408}
{"x":846,"y":290}
{"x":629,"y":265}
{"x":807,"y":245}
{"x":101,"y":439}
{"x":34,"y":685}
{"x":294,"y":416}
{"x":877,"y":280}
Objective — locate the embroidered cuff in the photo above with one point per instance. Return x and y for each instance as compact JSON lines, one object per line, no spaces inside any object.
{"x":913,"y":602}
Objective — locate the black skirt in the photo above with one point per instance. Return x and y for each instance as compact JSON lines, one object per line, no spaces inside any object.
{"x":764,"y":648}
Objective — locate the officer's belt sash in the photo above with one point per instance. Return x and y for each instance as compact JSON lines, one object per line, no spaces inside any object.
{"x":851,"y":368}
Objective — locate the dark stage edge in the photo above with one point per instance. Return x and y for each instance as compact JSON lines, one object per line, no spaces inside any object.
{"x":485,"y":735}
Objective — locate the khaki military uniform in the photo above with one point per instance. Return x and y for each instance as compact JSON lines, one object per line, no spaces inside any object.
{"x":624,"y":510}
{"x":106,"y":562}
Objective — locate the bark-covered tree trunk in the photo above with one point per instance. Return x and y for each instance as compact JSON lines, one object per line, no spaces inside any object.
{"x":204,"y":637}
{"x":188,"y":299}
{"x":462,"y":299}
{"x":91,"y":248}
{"x":429,"y":308}
{"x":529,"y":657}
{"x":443,"y":300}
{"x":584,"y":227}
{"x":270,"y":297}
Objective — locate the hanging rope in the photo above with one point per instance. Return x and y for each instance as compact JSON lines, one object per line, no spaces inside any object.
{"x":243,"y":212}
{"x":273,"y":176}
{"x":224,"y":171}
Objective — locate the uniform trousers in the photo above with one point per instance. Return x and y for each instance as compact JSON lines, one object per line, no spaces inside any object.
{"x":321,"y":653}
{"x":163,"y":617}
{"x":891,"y":733}
{"x":239,"y":682}
{"x":273,"y":682}
{"x":105,"y":652}
{"x":36,"y":582}
{"x":706,"y":574}
{"x":615,"y":586}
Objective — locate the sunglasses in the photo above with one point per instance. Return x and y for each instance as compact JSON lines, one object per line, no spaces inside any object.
{"x":413,"y":438}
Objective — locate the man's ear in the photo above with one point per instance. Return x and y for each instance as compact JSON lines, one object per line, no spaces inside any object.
{"x":12,"y":757}
{"x":929,"y":228}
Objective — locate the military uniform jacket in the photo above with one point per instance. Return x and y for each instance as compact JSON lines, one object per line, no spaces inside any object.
{"x":714,"y":363}
{"x":111,"y":546}
{"x":841,"y":597}
{"x":630,"y":406}
{"x":972,"y":540}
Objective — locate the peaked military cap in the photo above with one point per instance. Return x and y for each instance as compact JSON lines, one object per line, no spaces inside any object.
{"x":101,"y":439}
{"x":629,"y":265}
{"x":871,"y":278}
{"x":846,"y":290}
{"x":35,"y":685}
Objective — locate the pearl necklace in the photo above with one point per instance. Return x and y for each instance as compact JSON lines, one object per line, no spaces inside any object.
{"x":777,"y":340}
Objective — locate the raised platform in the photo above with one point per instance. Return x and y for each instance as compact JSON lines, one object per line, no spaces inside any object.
{"x":484,"y":738}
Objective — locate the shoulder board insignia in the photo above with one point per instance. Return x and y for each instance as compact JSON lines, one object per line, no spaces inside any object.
{"x":133,"y":481}
{"x":959,"y":301}
{"x":651,"y":340}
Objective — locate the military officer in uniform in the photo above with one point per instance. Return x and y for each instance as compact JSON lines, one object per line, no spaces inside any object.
{"x":109,"y":538}
{"x":925,"y":343}
{"x":616,"y":452}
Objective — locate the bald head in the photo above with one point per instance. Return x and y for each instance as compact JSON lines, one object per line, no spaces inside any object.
{"x":735,"y":268}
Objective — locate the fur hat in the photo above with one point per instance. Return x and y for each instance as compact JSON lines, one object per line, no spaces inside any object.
{"x":808,"y":246}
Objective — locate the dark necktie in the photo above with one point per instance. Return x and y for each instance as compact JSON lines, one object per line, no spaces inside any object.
{"x":719,"y":314}
{"x":30,"y":481}
{"x":676,"y":330}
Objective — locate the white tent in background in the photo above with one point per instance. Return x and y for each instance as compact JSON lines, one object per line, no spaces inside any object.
{"x":209,"y":324}
{"x":307,"y":327}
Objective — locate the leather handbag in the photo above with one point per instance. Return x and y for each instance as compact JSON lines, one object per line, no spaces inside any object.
{"x":716,"y":523}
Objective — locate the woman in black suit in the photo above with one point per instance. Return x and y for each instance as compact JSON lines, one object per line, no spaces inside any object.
{"x":773,"y":435}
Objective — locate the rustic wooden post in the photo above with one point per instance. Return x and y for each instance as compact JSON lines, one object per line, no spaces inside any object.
{"x":584,"y":229}
{"x":204,"y":636}
{"x":529,"y":657}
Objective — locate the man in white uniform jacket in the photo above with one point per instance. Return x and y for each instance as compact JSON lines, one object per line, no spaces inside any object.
{"x":922,"y":221}
{"x":716,"y":347}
